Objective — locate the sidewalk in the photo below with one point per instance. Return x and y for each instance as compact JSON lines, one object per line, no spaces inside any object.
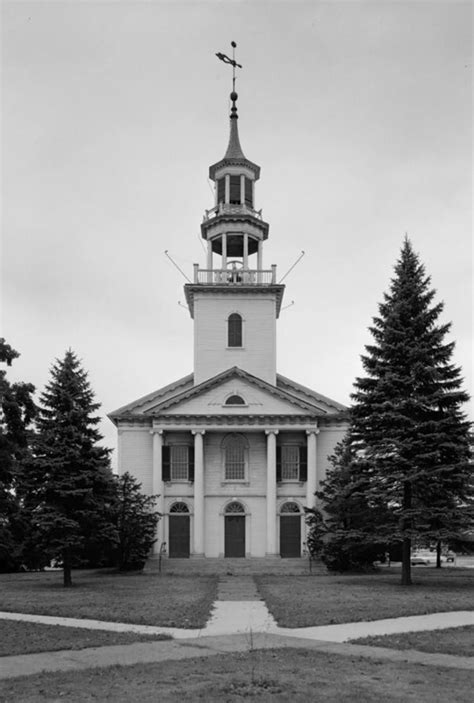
{"x":234,"y":625}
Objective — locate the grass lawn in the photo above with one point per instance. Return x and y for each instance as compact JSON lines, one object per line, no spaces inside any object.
{"x":140,"y":598}
{"x":28,"y":637}
{"x":264,"y":675}
{"x":299,"y":601}
{"x":455,"y":640}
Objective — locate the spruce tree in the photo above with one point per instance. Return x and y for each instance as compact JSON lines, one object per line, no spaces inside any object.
{"x":136,"y":520}
{"x":17,"y":410}
{"x":69,"y":487}
{"x":407,"y":418}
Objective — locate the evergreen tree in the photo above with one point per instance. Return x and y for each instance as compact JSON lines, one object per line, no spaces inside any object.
{"x":68,"y":488}
{"x":17,"y":411}
{"x":136,"y":521}
{"x":344,"y":532}
{"x":407,"y":418}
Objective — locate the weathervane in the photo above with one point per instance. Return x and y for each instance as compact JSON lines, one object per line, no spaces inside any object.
{"x":230,"y":61}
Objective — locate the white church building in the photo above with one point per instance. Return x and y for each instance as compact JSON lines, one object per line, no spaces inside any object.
{"x":234,"y":450}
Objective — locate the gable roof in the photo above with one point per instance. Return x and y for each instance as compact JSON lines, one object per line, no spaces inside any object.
{"x":183,"y":390}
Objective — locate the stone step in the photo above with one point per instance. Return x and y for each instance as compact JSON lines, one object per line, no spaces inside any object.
{"x":233,"y":567}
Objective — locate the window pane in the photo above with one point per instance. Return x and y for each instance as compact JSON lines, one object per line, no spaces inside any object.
{"x":235,"y":460}
{"x":234,"y":330}
{"x":179,"y":463}
{"x":290,"y":463}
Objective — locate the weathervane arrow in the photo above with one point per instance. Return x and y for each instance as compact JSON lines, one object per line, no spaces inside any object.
{"x":231,"y":61}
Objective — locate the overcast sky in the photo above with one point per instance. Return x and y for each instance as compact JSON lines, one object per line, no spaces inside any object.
{"x":359,"y":114}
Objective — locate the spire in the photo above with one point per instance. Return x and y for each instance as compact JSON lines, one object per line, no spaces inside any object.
{"x":234,"y":150}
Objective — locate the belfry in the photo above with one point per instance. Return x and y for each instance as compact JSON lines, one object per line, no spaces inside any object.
{"x":234,"y":450}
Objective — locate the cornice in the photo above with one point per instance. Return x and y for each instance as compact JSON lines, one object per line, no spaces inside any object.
{"x":228,"y":289}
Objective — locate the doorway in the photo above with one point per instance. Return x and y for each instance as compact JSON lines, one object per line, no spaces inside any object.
{"x":290,"y":531}
{"x":234,"y":531}
{"x":179,"y":531}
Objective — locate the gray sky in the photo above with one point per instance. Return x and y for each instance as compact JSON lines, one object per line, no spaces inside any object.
{"x":359,"y":114}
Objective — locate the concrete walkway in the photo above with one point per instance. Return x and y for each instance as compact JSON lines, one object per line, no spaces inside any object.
{"x":240,"y":621}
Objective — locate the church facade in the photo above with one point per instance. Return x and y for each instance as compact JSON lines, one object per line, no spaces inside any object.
{"x":234,"y":450}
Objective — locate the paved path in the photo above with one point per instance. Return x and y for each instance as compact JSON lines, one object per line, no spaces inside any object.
{"x":239,"y":621}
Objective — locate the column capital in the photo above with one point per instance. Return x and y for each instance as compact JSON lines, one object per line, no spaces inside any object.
{"x":195,"y":432}
{"x":156,"y":431}
{"x":315,"y":431}
{"x":268,"y":432}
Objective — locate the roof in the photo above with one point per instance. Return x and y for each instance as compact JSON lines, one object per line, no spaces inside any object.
{"x":159,"y":401}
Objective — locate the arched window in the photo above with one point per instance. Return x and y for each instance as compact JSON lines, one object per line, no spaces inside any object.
{"x":234,"y":330}
{"x":179,"y":507}
{"x":235,"y":400}
{"x":290,"y":508}
{"x":234,"y":508}
{"x":235,"y":448}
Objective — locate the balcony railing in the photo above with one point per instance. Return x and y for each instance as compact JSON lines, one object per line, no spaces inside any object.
{"x":235,"y":277}
{"x":231,"y":209}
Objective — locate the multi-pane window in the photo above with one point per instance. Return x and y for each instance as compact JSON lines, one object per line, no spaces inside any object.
{"x":234,"y":330}
{"x":234,"y":458}
{"x":290,"y":463}
{"x":179,"y":462}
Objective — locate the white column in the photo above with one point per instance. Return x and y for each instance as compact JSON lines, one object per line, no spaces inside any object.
{"x":246,"y":251}
{"x":209,"y":254}
{"x":271,"y":492}
{"x":227,"y":188}
{"x":312,"y":481}
{"x":158,"y":486}
{"x":224,"y":250}
{"x":198,"y":492}
{"x":259,"y":261}
{"x":242,"y":190}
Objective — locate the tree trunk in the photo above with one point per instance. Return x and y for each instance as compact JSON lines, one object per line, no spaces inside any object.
{"x":406,"y":544}
{"x":67,"y":576}
{"x":438,"y":554}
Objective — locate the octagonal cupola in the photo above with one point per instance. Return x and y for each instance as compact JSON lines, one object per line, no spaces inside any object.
{"x":234,"y":228}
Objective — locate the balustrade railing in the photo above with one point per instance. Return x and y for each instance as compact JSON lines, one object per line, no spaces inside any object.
{"x":231,"y":209}
{"x":235,"y":277}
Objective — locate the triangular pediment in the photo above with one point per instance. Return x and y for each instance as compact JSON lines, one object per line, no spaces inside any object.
{"x":213,"y":397}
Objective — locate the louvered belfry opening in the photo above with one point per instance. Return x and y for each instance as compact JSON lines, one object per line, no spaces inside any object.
{"x":234,"y":330}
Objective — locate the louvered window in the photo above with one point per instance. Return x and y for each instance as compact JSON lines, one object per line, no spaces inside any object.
{"x":234,"y":336}
{"x":221,"y":190}
{"x":248,"y":192}
{"x":179,"y":459}
{"x":290,"y":463}
{"x":235,"y":190}
{"x":235,"y":459}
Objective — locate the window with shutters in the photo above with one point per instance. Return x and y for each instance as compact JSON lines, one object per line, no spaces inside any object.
{"x":234,"y":192}
{"x":290,"y":463}
{"x":234,"y":330}
{"x":235,"y":450}
{"x":179,"y":462}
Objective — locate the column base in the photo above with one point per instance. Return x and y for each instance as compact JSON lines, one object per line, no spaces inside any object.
{"x":271,"y":555}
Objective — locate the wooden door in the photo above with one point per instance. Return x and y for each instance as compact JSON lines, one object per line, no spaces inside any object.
{"x":234,"y":536}
{"x":178,"y":546}
{"x":290,"y":536}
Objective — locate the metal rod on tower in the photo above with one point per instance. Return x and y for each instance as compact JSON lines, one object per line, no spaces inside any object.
{"x":292,"y":267}
{"x":176,"y":266}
